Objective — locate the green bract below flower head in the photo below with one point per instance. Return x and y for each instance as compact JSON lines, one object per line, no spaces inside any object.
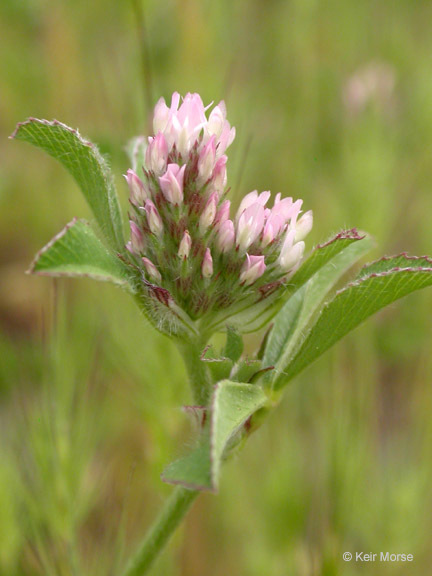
{"x":188,"y":253}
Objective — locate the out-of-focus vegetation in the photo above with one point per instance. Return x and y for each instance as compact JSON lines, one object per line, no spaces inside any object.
{"x":332,"y":103}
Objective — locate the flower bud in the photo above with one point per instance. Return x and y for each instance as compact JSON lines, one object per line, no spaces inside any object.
{"x":137,"y":238}
{"x":222,"y":214}
{"x":219,"y":126}
{"x":226,"y":236}
{"x":304,"y":226}
{"x":217,"y":119}
{"x":157,"y":154}
{"x":219,"y":178}
{"x":252,"y":269}
{"x":207,"y":264}
{"x":209,"y":213}
{"x":185,"y":245}
{"x":153,"y":218}
{"x":162,"y":115}
{"x":272,"y":228}
{"x":206,"y":161}
{"x":171,"y":183}
{"x":151,"y":270}
{"x":138,"y":193}
{"x":290,"y":253}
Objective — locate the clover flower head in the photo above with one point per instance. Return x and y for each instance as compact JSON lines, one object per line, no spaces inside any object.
{"x":188,"y":252}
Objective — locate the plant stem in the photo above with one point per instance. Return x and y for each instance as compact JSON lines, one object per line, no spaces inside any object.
{"x":170,"y":517}
{"x":198,"y":373}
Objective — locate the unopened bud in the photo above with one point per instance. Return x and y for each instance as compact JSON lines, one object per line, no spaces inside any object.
{"x":304,"y":226}
{"x":209,"y":213}
{"x":151,"y":270}
{"x":137,"y":238}
{"x":226,"y":236}
{"x":171,"y":183}
{"x":206,"y":161}
{"x":161,"y":115}
{"x":291,"y":253}
{"x":223,"y":213}
{"x":185,"y":245}
{"x":153,"y":218}
{"x":219,"y":178}
{"x":157,"y":154}
{"x":138,"y":193}
{"x":207,"y":265}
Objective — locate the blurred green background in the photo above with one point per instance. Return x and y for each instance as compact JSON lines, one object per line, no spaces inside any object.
{"x":333,"y":104}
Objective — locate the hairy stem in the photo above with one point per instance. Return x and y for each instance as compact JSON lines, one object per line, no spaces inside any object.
{"x":198,"y":372}
{"x":170,"y":517}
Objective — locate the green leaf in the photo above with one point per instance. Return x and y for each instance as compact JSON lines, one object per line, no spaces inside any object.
{"x":233,"y":405}
{"x":246,"y":370}
{"x":399,"y":262}
{"x":351,"y":306}
{"x":220,"y":366}
{"x":291,"y":322}
{"x":250,"y":316}
{"x":192,"y":470}
{"x":77,"y":251}
{"x":323,"y":253}
{"x":234,"y":345}
{"x":84,"y":162}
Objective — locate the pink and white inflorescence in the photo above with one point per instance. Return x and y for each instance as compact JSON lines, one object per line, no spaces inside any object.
{"x":184,"y":245}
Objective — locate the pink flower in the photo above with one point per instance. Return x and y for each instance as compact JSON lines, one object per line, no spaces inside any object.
{"x":181,"y":220}
{"x":252,"y":269}
{"x":251,"y":199}
{"x":183,"y":125}
{"x":207,"y":264}
{"x":273,"y":226}
{"x":226,"y":236}
{"x":206,"y":161}
{"x":219,"y":178}
{"x":249,"y":226}
{"x":162,"y":114}
{"x":171,"y":183}
{"x":219,"y":126}
{"x":223,"y":213}
{"x":185,"y":245}
{"x":157,"y":154}
{"x":138,"y":193}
